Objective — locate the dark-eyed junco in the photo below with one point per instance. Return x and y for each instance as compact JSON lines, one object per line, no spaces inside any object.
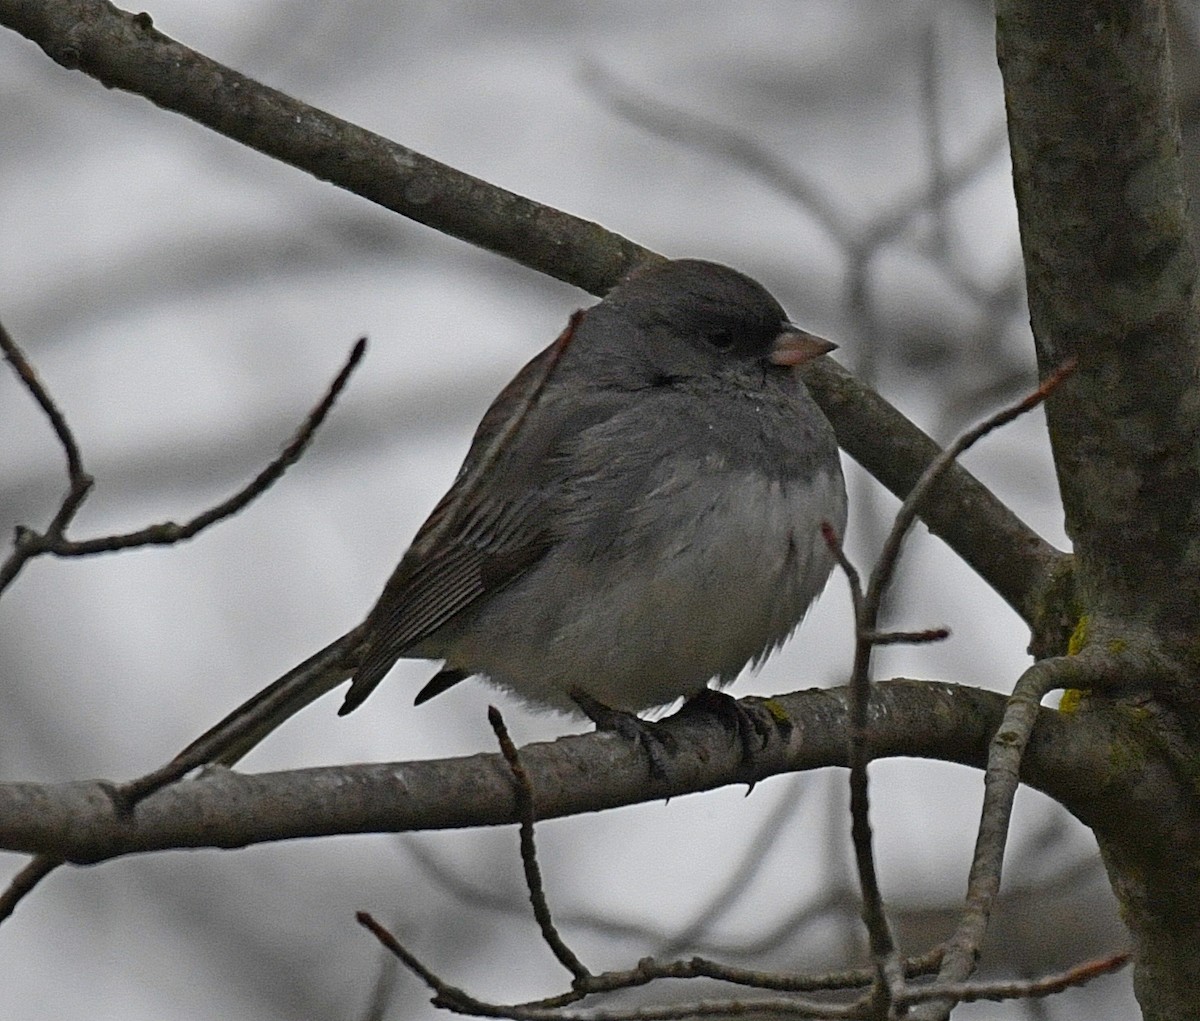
{"x":639,"y":513}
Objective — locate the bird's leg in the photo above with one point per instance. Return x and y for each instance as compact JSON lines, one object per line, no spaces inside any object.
{"x":657,"y":744}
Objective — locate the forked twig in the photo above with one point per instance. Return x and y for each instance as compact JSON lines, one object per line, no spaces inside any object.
{"x":881,"y":576}
{"x":53,"y":540}
{"x":866,"y":607}
{"x":889,"y":967}
{"x":168,"y":532}
{"x":80,"y":482}
{"x":585,"y":983}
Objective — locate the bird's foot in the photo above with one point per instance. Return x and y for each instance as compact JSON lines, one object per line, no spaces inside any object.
{"x":750,"y":723}
{"x":656,"y":743}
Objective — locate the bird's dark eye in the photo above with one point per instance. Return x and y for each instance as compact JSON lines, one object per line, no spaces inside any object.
{"x":723,"y":341}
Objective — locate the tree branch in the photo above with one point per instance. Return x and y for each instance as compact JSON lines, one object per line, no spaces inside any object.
{"x":124,"y":51}
{"x":1033,"y":577}
{"x":1070,"y":757}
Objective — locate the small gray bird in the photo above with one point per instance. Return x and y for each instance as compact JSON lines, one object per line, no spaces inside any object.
{"x":639,"y":514}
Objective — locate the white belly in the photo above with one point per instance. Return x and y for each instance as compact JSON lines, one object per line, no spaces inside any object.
{"x":741,"y":561}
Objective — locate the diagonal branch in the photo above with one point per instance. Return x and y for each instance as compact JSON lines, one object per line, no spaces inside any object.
{"x":1013,"y":559}
{"x":124,"y":51}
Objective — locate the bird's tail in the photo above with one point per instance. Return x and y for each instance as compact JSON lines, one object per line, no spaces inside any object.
{"x":255,"y":718}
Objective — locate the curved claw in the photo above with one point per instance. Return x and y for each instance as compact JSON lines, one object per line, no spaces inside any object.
{"x":656,"y":743}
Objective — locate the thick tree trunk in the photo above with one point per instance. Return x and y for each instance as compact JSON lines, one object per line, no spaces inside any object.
{"x":1111,"y":276}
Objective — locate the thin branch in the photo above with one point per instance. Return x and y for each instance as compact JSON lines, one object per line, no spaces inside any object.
{"x":533,"y":873}
{"x":445,"y":995}
{"x":24,"y":881}
{"x":241,"y":728}
{"x":933,"y":473}
{"x":1001,"y":780}
{"x":125,"y":51}
{"x":78,"y":822}
{"x":169,"y":533}
{"x":79,"y":481}
{"x":646,"y":971}
{"x":883,"y":946}
{"x":936,"y":634}
{"x":832,"y":981}
{"x":972,"y":992}
{"x":29,"y":377}
{"x":866,"y":608}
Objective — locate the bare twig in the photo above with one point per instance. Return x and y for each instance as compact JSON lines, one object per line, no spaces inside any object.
{"x":53,"y":540}
{"x":585,"y":983}
{"x":29,"y":377}
{"x":832,"y":981}
{"x":455,"y":999}
{"x":445,"y":995}
{"x":883,"y":946}
{"x":533,"y":873}
{"x":1001,"y":780}
{"x":169,"y":533}
{"x":866,"y":615}
{"x":79,"y":481}
{"x":970,"y":992}
{"x":241,"y":730}
{"x":906,"y":515}
{"x":936,"y":634}
{"x":24,"y":881}
{"x":1003,"y":773}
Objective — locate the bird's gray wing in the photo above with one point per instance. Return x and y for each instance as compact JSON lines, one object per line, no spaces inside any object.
{"x":496,"y":522}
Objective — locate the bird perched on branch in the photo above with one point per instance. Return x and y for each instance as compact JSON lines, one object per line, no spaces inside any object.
{"x":640,"y":514}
